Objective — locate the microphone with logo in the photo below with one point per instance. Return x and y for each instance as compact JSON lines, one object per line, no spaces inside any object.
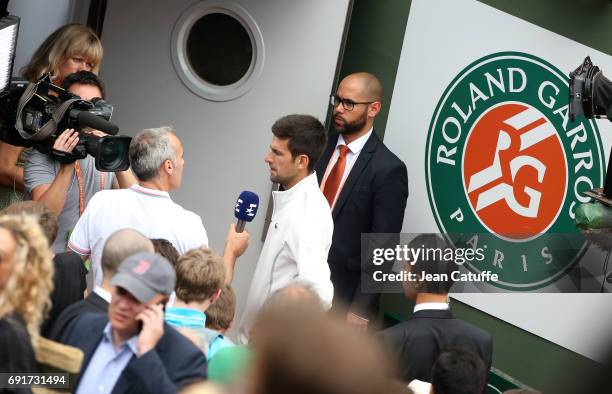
{"x":245,"y":209}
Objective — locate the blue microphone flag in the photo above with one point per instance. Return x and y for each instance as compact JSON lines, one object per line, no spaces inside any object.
{"x":246,"y":206}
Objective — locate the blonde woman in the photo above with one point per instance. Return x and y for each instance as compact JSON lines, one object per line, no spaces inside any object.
{"x":26,"y":274}
{"x":69,"y":49}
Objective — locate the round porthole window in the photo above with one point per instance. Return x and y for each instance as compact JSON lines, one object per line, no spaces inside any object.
{"x":217,"y":50}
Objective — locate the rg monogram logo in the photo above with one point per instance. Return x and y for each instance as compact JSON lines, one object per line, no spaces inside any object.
{"x":515,"y":170}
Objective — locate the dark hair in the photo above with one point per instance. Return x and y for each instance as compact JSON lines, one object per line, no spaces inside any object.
{"x":433,"y":262}
{"x":307,"y":136}
{"x":46,"y":219}
{"x":220,"y":314}
{"x":458,"y":371}
{"x":84,"y":78}
{"x":166,"y":249}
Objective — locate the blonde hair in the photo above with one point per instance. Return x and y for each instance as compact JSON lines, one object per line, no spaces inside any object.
{"x":31,"y":280}
{"x":61,"y":45}
{"x":220,"y":315}
{"x":199,"y":274}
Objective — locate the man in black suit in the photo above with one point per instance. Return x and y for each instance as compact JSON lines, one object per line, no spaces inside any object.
{"x":119,"y":246}
{"x":366,"y":186}
{"x":132,"y":350}
{"x":432,"y":328}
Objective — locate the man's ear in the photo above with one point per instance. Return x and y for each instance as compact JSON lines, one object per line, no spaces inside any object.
{"x":169,"y":167}
{"x":420,"y":284}
{"x":303,"y":161}
{"x":215,"y":296}
{"x":374,"y":109}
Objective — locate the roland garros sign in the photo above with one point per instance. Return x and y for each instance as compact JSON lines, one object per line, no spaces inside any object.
{"x":506,"y":168}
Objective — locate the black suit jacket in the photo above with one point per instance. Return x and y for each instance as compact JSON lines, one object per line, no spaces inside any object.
{"x":173,"y":363}
{"x":16,"y":352}
{"x":372,"y":200}
{"x":93,"y":304}
{"x":418,"y":342}
{"x":69,"y":284}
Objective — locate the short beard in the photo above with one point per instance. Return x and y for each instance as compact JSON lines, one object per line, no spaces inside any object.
{"x":354,"y":127}
{"x":276,"y":179}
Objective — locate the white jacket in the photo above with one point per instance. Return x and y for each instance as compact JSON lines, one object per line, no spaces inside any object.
{"x":295,"y":250}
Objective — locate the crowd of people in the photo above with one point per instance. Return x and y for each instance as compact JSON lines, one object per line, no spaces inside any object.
{"x":158,"y":314}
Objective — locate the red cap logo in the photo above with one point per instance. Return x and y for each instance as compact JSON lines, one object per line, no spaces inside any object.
{"x":142,"y":267}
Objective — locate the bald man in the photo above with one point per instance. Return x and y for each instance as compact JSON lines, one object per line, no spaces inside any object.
{"x":366,"y":186}
{"x":120,"y":245}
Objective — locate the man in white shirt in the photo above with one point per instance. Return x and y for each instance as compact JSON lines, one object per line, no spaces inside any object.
{"x":300,"y":233}
{"x":156,"y":158}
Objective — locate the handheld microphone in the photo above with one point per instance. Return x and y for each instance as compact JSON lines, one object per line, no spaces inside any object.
{"x":245,"y":209}
{"x":95,"y":122}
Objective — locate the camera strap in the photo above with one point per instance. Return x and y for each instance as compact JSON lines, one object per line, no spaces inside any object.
{"x":48,"y":128}
{"x":79,"y":175}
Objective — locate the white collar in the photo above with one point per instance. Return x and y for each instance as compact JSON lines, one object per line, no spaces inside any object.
{"x":282,"y":196}
{"x":149,"y":192}
{"x":436,"y":306}
{"x":103,"y":293}
{"x":356,"y":146}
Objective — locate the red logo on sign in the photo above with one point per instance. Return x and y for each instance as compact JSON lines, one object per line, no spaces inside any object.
{"x":514,"y":171}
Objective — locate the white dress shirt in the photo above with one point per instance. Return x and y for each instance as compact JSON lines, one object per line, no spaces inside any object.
{"x":355,"y":148}
{"x":107,"y":296}
{"x":435,"y":306}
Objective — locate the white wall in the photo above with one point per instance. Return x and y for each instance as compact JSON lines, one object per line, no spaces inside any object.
{"x":39,"y":18}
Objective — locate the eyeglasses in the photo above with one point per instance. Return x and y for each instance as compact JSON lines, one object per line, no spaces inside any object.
{"x":346,"y":103}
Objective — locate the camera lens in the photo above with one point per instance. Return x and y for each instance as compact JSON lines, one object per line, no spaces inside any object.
{"x":112,"y":153}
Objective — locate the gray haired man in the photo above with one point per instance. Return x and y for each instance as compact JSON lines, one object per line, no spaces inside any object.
{"x":156,"y":157}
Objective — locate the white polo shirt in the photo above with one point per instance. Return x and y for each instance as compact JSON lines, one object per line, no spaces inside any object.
{"x":149,"y":211}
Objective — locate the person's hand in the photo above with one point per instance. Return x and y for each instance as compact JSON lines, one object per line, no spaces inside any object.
{"x":97,"y":133}
{"x":152,"y":319}
{"x":236,"y":243}
{"x":66,"y":141}
{"x":357,"y":322}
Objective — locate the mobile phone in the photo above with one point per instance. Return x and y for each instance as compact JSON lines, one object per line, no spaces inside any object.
{"x":139,"y":328}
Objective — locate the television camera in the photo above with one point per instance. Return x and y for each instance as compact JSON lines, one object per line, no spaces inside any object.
{"x":34,"y":115}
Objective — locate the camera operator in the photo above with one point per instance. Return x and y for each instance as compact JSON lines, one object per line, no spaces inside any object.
{"x":67,"y":188}
{"x":71,"y":48}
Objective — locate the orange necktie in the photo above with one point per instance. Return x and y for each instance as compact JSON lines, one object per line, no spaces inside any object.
{"x":335,"y":175}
